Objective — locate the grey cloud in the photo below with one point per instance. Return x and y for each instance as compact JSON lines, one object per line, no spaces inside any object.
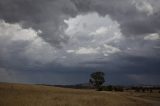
{"x":132,"y":22}
{"x":47,"y":16}
{"x":128,"y":64}
{"x":137,"y":57}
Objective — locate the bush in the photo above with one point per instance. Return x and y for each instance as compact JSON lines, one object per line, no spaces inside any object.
{"x":100,"y":89}
{"x":118,"y":89}
{"x":107,"y":88}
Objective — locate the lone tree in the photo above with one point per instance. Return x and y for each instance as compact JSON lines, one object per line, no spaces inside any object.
{"x":97,"y":79}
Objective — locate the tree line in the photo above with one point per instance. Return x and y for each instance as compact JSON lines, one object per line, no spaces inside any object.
{"x":97,"y":79}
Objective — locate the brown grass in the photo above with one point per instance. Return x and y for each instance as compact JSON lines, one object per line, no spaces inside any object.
{"x":37,"y":95}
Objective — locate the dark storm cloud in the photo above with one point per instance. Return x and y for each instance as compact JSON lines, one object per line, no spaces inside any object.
{"x":129,"y":64}
{"x":145,"y":25}
{"x":49,"y":15}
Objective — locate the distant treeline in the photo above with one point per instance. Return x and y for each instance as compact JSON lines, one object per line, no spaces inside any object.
{"x":133,"y":88}
{"x":112,"y":87}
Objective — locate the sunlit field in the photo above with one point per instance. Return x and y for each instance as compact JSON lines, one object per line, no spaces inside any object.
{"x":38,"y":95}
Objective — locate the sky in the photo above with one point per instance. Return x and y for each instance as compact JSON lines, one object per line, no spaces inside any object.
{"x":64,"y":41}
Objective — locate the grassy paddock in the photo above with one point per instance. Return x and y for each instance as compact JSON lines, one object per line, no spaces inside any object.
{"x":38,"y":95}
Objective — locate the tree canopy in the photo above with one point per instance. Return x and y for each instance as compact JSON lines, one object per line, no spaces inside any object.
{"x":97,"y":79}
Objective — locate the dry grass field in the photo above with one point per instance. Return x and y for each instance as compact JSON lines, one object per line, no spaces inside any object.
{"x":38,"y":95}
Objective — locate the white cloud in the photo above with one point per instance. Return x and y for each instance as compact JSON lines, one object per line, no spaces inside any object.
{"x":16,"y":32}
{"x":92,"y":24}
{"x":83,"y":50}
{"x":29,"y":44}
{"x":90,"y":36}
{"x":81,"y":47}
{"x":88,"y":33}
{"x":100,"y":31}
{"x":70,"y":51}
{"x":153,"y":36}
{"x":40,"y":51}
{"x":110,"y":49}
{"x":106,"y":50}
{"x":143,"y":6}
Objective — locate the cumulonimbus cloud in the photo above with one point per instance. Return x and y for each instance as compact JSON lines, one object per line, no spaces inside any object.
{"x":44,"y":33}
